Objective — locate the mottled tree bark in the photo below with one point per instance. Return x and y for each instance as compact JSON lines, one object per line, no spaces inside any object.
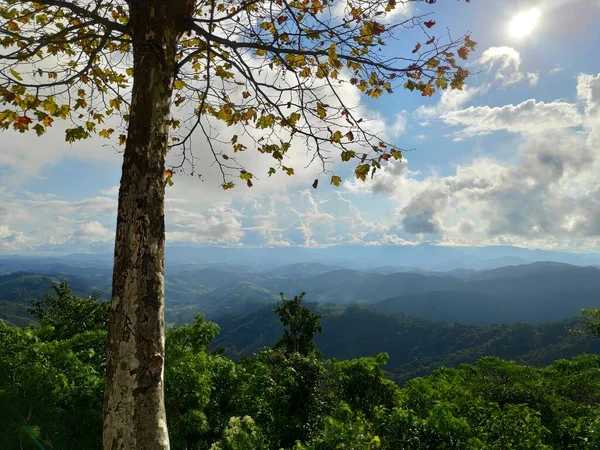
{"x":134,"y":413}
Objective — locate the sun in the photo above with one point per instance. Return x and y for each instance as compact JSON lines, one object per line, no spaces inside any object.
{"x":524,"y":23}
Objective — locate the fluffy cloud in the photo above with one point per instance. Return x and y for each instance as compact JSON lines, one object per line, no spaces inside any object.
{"x":507,"y":62}
{"x":111,"y":192}
{"x":528,"y":117}
{"x":27,"y":154}
{"x":94,"y":231}
{"x":11,"y":240}
{"x":450,"y":100}
{"x":555,"y":70}
{"x":218,"y":224}
{"x":545,"y":192}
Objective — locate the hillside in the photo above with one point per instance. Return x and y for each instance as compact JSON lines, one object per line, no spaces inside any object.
{"x":532,"y":293}
{"x":416,"y":346}
{"x":18,"y":289}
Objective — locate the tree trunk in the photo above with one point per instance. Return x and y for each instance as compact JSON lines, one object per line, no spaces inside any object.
{"x":134,"y":412}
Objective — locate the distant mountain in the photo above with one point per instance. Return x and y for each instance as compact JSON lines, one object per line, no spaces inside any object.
{"x":301,"y":269}
{"x":519,"y":270}
{"x":430,"y":257}
{"x":537,"y":292}
{"x":21,"y":287}
{"x":532,"y":293}
{"x":424,"y":256}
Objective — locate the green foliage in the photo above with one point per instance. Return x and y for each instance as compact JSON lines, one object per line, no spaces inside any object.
{"x":362,"y":384}
{"x":594,"y":325}
{"x":284,"y":393}
{"x":300,"y":326}
{"x":50,"y":391}
{"x":415,"y":346}
{"x":52,"y":378}
{"x":241,"y":434}
{"x":69,"y":315}
{"x":188,"y":382}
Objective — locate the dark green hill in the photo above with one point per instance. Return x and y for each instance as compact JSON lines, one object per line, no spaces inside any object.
{"x":18,"y":289}
{"x":416,"y":346}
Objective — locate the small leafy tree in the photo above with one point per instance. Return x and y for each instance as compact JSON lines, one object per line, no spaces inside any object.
{"x":154,"y":74}
{"x":300,"y":326}
{"x":69,"y":315}
{"x":593,"y":325}
{"x":241,"y":434}
{"x":284,"y":386}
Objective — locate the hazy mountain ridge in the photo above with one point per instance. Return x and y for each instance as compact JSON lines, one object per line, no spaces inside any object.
{"x":439,"y":258}
{"x":537,"y":292}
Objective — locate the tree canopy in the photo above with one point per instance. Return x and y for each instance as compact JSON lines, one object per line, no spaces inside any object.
{"x":269,"y":70}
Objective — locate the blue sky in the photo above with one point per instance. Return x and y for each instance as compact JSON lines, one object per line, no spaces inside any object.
{"x":512,"y":159}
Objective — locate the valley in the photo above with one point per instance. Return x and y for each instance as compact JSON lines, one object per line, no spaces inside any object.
{"x":422,"y":319}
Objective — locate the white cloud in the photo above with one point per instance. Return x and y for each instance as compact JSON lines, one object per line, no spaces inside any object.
{"x":94,"y":231}
{"x":111,"y":192}
{"x":544,"y":192}
{"x":533,"y":78}
{"x":555,"y":70}
{"x":538,"y":187}
{"x":27,"y":154}
{"x":218,"y":224}
{"x":528,"y":117}
{"x":398,"y":127}
{"x":450,"y":100}
{"x":588,"y":90}
{"x":11,"y":240}
{"x":507,"y":62}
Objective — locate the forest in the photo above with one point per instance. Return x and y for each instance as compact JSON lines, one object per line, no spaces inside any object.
{"x":286,"y":395}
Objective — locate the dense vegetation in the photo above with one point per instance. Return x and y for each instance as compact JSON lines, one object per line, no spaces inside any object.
{"x":287,"y":396}
{"x":415,"y":346}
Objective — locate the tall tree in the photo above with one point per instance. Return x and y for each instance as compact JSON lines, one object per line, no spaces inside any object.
{"x":269,"y":69}
{"x":300,"y":324}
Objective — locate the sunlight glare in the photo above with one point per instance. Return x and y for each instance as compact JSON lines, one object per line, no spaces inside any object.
{"x":524,"y":23}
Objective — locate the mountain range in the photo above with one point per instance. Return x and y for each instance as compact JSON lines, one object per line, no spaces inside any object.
{"x":530,"y":293}
{"x":426,"y":256}
{"x":422,"y":318}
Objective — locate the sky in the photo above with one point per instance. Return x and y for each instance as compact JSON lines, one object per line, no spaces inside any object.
{"x":512,"y":159}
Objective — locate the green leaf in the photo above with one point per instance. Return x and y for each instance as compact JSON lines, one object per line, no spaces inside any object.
{"x":362,"y":171}
{"x":347,"y":155}
{"x":335,"y":180}
{"x":16,"y":74}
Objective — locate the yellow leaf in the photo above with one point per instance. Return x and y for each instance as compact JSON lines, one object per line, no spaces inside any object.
{"x":16,"y":74}
{"x":321,"y":111}
{"x":336,"y":137}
